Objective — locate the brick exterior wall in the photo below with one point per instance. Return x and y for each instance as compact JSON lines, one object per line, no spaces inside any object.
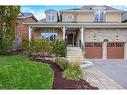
{"x":22,"y":30}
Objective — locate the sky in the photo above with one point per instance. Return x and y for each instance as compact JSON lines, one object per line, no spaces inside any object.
{"x":39,"y":11}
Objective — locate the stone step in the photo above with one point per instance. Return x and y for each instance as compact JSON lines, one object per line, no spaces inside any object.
{"x":74,"y":53}
{"x":75,"y":56}
{"x":73,"y":49}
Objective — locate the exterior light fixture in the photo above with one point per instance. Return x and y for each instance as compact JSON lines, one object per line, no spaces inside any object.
{"x":94,"y":37}
{"x":117,"y":37}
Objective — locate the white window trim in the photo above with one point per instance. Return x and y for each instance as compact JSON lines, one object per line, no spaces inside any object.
{"x":68,"y":19}
{"x":51,"y":17}
{"x":47,"y":33}
{"x":99,"y":15}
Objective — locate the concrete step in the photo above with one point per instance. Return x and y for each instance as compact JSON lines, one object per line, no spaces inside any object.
{"x":74,"y":54}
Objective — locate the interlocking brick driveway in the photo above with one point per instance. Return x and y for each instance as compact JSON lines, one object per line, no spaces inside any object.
{"x":115,"y":69}
{"x":97,"y":78}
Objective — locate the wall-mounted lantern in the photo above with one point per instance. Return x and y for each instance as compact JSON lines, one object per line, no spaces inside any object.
{"x":94,"y":37}
{"x":117,"y":37}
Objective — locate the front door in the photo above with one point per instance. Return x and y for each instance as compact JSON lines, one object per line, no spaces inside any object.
{"x":70,"y":39}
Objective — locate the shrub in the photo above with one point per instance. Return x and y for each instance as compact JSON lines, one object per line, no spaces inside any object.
{"x":73,"y":72}
{"x":35,"y":46}
{"x":45,"y":47}
{"x":38,"y":47}
{"x":25,"y":43}
{"x":62,"y":63}
{"x":60,"y":48}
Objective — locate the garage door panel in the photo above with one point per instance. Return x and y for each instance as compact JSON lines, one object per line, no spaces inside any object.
{"x":93,"y":50}
{"x":93,"y":53}
{"x":115,"y":50}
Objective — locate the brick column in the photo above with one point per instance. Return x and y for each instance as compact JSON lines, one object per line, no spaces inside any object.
{"x":104,"y":50}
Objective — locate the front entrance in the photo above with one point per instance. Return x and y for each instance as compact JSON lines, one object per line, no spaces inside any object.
{"x":70,"y":40}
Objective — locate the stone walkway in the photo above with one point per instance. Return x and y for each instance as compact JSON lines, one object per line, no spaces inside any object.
{"x":100,"y":80}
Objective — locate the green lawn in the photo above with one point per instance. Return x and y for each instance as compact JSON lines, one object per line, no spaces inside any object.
{"x":17,"y":72}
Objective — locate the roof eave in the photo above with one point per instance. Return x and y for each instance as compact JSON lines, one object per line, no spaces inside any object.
{"x":87,"y":25}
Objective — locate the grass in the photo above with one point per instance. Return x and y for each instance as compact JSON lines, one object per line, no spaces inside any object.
{"x":17,"y":72}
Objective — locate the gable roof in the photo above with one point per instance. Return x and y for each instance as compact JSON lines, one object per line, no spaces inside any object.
{"x":25,"y":15}
{"x":42,"y":20}
{"x":124,"y":16}
{"x":90,"y":8}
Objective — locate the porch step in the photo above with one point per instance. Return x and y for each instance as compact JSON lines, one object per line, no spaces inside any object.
{"x":74,"y":54}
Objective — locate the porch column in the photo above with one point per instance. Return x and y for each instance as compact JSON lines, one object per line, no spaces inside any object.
{"x":30,"y":32}
{"x":104,"y":50}
{"x":125,"y":51}
{"x":64,"y":32}
{"x":81,"y":31}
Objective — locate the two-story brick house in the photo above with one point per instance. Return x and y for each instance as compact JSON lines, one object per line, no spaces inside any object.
{"x":99,"y":29}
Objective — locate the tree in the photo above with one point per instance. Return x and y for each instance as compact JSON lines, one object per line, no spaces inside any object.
{"x":8,"y":16}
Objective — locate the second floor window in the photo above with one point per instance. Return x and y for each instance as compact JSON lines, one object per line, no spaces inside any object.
{"x":51,"y":17}
{"x":69,"y":17}
{"x":99,"y":15}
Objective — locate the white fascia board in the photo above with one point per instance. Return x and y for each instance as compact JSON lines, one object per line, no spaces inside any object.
{"x":87,"y":25}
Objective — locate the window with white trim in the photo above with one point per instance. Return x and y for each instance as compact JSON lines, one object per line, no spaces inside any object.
{"x":49,"y":34}
{"x":51,"y":17}
{"x":99,"y":15}
{"x":70,"y":17}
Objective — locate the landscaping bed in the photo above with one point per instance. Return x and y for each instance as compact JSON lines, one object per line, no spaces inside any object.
{"x":59,"y":81}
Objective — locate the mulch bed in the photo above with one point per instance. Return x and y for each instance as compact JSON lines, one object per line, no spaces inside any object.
{"x":12,"y":52}
{"x":59,"y":81}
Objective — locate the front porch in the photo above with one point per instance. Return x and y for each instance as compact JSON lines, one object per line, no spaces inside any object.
{"x":72,"y":35}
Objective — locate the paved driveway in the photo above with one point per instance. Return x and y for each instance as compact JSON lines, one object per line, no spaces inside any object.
{"x":115,"y":69}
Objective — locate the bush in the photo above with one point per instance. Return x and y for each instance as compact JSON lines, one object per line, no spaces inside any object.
{"x":38,"y":47}
{"x":73,"y":72}
{"x":25,"y":43}
{"x":45,"y":47}
{"x":60,"y":48}
{"x":62,"y":63}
